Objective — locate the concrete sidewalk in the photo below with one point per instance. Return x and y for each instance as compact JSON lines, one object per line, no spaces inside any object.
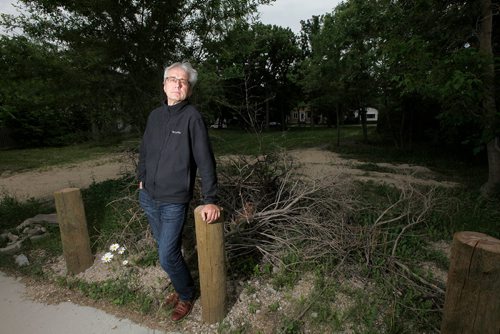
{"x":20,"y":315}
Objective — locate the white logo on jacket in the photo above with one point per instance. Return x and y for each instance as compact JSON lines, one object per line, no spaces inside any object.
{"x":176,"y":132}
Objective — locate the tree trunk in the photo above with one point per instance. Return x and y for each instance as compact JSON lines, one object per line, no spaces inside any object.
{"x":472,"y":300}
{"x":284,"y":124}
{"x":338,"y":124}
{"x":492,"y":186}
{"x":94,"y":129}
{"x":362,"y":114}
{"x":388,"y":117}
{"x":267,"y":113}
{"x":489,"y":104}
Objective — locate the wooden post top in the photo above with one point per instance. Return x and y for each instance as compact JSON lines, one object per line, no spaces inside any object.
{"x":480,"y":240}
{"x":67,"y":190}
{"x":199,"y":207}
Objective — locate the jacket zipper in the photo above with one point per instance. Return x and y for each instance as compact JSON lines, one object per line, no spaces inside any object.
{"x":163,"y":144}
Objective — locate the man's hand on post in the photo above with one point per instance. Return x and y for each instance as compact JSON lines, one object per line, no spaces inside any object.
{"x":210,"y":213}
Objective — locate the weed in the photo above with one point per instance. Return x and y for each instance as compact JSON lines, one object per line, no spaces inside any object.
{"x":274,"y":307}
{"x":250,"y":289}
{"x":51,"y":245}
{"x":225,"y":328}
{"x":253,"y":307}
{"x":104,"y":220}
{"x":244,"y":265}
{"x":290,"y":326}
{"x":290,"y":273}
{"x":13,"y":212}
{"x":266,"y":269}
{"x":119,"y":292}
{"x":372,"y":167}
{"x":148,"y":259}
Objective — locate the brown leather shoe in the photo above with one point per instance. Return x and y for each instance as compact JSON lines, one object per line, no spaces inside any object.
{"x":172,"y":299}
{"x":182,"y":310}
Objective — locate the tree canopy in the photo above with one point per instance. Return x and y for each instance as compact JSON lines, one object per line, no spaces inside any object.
{"x":116,"y":50}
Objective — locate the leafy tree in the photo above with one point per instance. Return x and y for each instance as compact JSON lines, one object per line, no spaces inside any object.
{"x":427,"y":66}
{"x":339,"y":70}
{"x":38,"y":96}
{"x":119,"y":48}
{"x":321,"y":72}
{"x":254,"y":63}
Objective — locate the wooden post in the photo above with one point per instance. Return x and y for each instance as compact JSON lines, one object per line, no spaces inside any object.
{"x":472,"y":300}
{"x":210,"y":245}
{"x":73,"y":227}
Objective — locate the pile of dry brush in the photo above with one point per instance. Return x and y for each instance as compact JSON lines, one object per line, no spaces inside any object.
{"x":273,"y":211}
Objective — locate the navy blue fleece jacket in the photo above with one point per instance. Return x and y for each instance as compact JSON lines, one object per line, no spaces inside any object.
{"x":174,"y":145}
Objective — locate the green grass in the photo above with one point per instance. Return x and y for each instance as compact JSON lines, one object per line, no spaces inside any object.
{"x":21,"y":160}
{"x":13,"y":211}
{"x":371,"y":167}
{"x":241,"y":142}
{"x":35,"y":158}
{"x":117,"y":291}
{"x":103,"y":220}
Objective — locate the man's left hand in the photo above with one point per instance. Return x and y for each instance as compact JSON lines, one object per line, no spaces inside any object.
{"x":210,"y":213}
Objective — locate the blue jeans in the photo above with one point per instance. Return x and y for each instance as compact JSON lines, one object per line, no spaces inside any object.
{"x":167,"y":222}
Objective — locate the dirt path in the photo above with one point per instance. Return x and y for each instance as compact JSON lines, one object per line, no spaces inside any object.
{"x":317,"y":164}
{"x":313,"y":163}
{"x":43,"y":183}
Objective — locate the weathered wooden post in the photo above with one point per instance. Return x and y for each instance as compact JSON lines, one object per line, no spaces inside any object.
{"x":73,"y":227}
{"x":211,"y":265}
{"x":472,"y":300}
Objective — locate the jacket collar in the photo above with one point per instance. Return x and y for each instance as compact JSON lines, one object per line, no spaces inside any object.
{"x":176,"y":107}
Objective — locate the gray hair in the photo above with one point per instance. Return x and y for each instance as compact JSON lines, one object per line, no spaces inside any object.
{"x":188,"y":68}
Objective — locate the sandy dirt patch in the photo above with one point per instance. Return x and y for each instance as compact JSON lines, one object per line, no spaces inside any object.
{"x":43,"y":183}
{"x":317,"y":164}
{"x":313,"y":163}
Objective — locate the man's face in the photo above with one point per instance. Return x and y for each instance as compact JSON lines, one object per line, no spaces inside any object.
{"x":176,"y":86}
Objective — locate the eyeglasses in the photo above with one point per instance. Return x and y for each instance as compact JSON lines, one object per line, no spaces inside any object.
{"x":175,"y":80}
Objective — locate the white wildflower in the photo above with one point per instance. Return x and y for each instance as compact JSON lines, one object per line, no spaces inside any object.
{"x":121,"y":250}
{"x":107,"y":257}
{"x":125,"y":262}
{"x":114,"y":247}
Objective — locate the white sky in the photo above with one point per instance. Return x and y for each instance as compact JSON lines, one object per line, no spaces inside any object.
{"x":6,"y":7}
{"x":285,"y":13}
{"x":289,"y":13}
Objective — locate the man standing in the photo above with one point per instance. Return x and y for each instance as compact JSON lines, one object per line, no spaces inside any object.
{"x":174,"y":146}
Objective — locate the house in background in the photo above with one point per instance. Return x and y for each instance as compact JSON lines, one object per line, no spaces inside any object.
{"x":304,"y":116}
{"x":371,"y":115}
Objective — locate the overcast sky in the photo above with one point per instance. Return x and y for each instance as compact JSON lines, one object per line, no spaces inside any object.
{"x":289,"y":13}
{"x":285,"y":13}
{"x":6,"y":7}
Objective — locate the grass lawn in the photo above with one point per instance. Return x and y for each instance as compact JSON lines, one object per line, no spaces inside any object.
{"x":33,"y":158}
